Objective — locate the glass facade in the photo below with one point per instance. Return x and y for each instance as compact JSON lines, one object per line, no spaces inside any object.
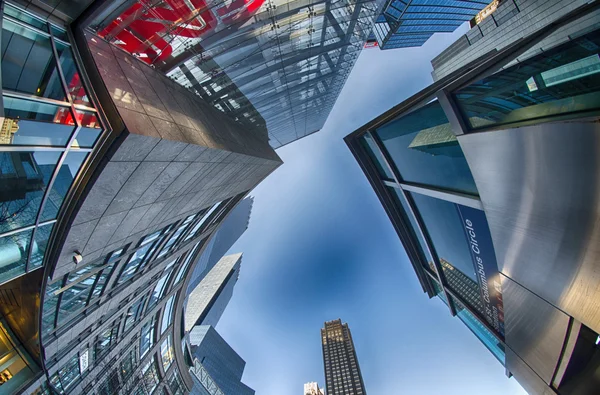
{"x":275,"y":65}
{"x":425,"y":150}
{"x":426,"y":157}
{"x":563,"y":81}
{"x":406,"y":23}
{"x":45,"y":136}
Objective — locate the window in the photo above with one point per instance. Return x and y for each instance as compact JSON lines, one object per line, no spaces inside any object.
{"x":50,"y":303}
{"x":376,"y":156}
{"x":161,"y":286}
{"x":175,"y":384}
{"x":137,"y":261}
{"x":134,"y":313}
{"x":150,"y":377}
{"x":171,"y":243}
{"x":106,"y":339}
{"x":110,"y":386}
{"x":147,"y":337}
{"x":425,"y":150}
{"x":186,"y":264}
{"x":14,"y":251}
{"x":486,"y":337}
{"x":562,"y":80}
{"x":111,"y":261}
{"x":167,"y":316}
{"x":66,"y":376}
{"x":75,"y":298}
{"x":128,"y":364}
{"x":167,"y":353}
{"x":198,"y":226}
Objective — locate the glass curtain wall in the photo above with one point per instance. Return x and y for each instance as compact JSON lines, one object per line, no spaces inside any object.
{"x":48,"y":126}
{"x":418,"y":158}
{"x":274,"y":63}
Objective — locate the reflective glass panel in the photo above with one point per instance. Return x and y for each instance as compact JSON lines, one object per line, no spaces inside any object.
{"x":75,"y":298}
{"x":134,"y":262}
{"x":29,"y":122}
{"x":128,"y":364}
{"x":90,"y":129}
{"x":67,"y":375}
{"x":167,"y":315}
{"x":62,"y":183}
{"x":50,"y":303}
{"x":167,"y":353}
{"x":65,"y":57}
{"x":42,"y":236}
{"x":147,"y":337}
{"x":376,"y":156}
{"x":28,"y":65}
{"x":13,"y":254}
{"x":24,"y":17}
{"x":106,"y":339}
{"x":562,"y":80}
{"x":24,"y":177}
{"x":425,"y":150}
{"x":134,"y":313}
{"x":17,"y":368}
{"x":480,"y":330}
{"x":150,"y":377}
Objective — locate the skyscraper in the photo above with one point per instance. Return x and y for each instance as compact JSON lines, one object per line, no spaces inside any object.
{"x":342,"y":373}
{"x":206,"y":303}
{"x":220,"y":361}
{"x":410,"y":23}
{"x":487,"y":177}
{"x":312,"y":389}
{"x":224,"y":237}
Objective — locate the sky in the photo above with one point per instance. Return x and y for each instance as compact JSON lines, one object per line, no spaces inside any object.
{"x":319,"y":246}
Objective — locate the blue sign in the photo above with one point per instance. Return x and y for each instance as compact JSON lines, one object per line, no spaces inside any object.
{"x":483,"y":256}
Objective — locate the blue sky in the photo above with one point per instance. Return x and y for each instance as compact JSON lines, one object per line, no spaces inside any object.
{"x":320,"y":247}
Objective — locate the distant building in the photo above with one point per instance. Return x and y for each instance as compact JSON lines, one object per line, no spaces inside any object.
{"x":312,"y":389}
{"x":220,"y":361}
{"x":407,"y":23}
{"x":208,"y":300}
{"x":223,"y":239}
{"x":342,"y":373}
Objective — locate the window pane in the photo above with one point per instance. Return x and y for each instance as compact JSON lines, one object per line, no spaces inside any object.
{"x":167,"y":353}
{"x":134,"y":262}
{"x":71,"y":74}
{"x":486,"y":337}
{"x":32,"y":123}
{"x":24,"y":177}
{"x":24,"y":17}
{"x":13,"y":254}
{"x":129,"y":364}
{"x":425,"y":150}
{"x":50,"y":302}
{"x":42,"y":235}
{"x":28,"y":63}
{"x":62,"y":183}
{"x":147,"y":337}
{"x":75,"y":298}
{"x":371,"y":148}
{"x":134,"y":313}
{"x":468,"y":264}
{"x":90,"y":129}
{"x":167,"y":316}
{"x":150,"y":376}
{"x":563,"y":80}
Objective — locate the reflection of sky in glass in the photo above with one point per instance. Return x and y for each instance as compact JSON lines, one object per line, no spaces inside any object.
{"x":445,"y":229}
{"x":42,"y":133}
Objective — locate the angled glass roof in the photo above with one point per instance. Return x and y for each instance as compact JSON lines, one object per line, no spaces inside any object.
{"x":276,"y":64}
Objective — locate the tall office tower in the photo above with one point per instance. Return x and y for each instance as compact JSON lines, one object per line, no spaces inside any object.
{"x":410,"y":23}
{"x":342,"y":373}
{"x":226,"y":235}
{"x":206,"y":303}
{"x":497,"y":216}
{"x":220,"y":361}
{"x":506,"y":22}
{"x":312,"y":389}
{"x":110,"y":187}
{"x":276,"y":65}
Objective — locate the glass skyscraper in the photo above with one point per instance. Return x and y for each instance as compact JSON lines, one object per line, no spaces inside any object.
{"x":487,"y":177}
{"x":410,"y":23}
{"x":276,"y":66}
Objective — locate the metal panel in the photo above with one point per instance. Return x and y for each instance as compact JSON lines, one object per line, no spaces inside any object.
{"x":534,"y":329}
{"x":540,"y":187}
{"x":531,"y":382}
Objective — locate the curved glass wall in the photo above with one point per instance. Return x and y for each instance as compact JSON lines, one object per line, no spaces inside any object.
{"x":47,"y":129}
{"x":278,"y":63}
